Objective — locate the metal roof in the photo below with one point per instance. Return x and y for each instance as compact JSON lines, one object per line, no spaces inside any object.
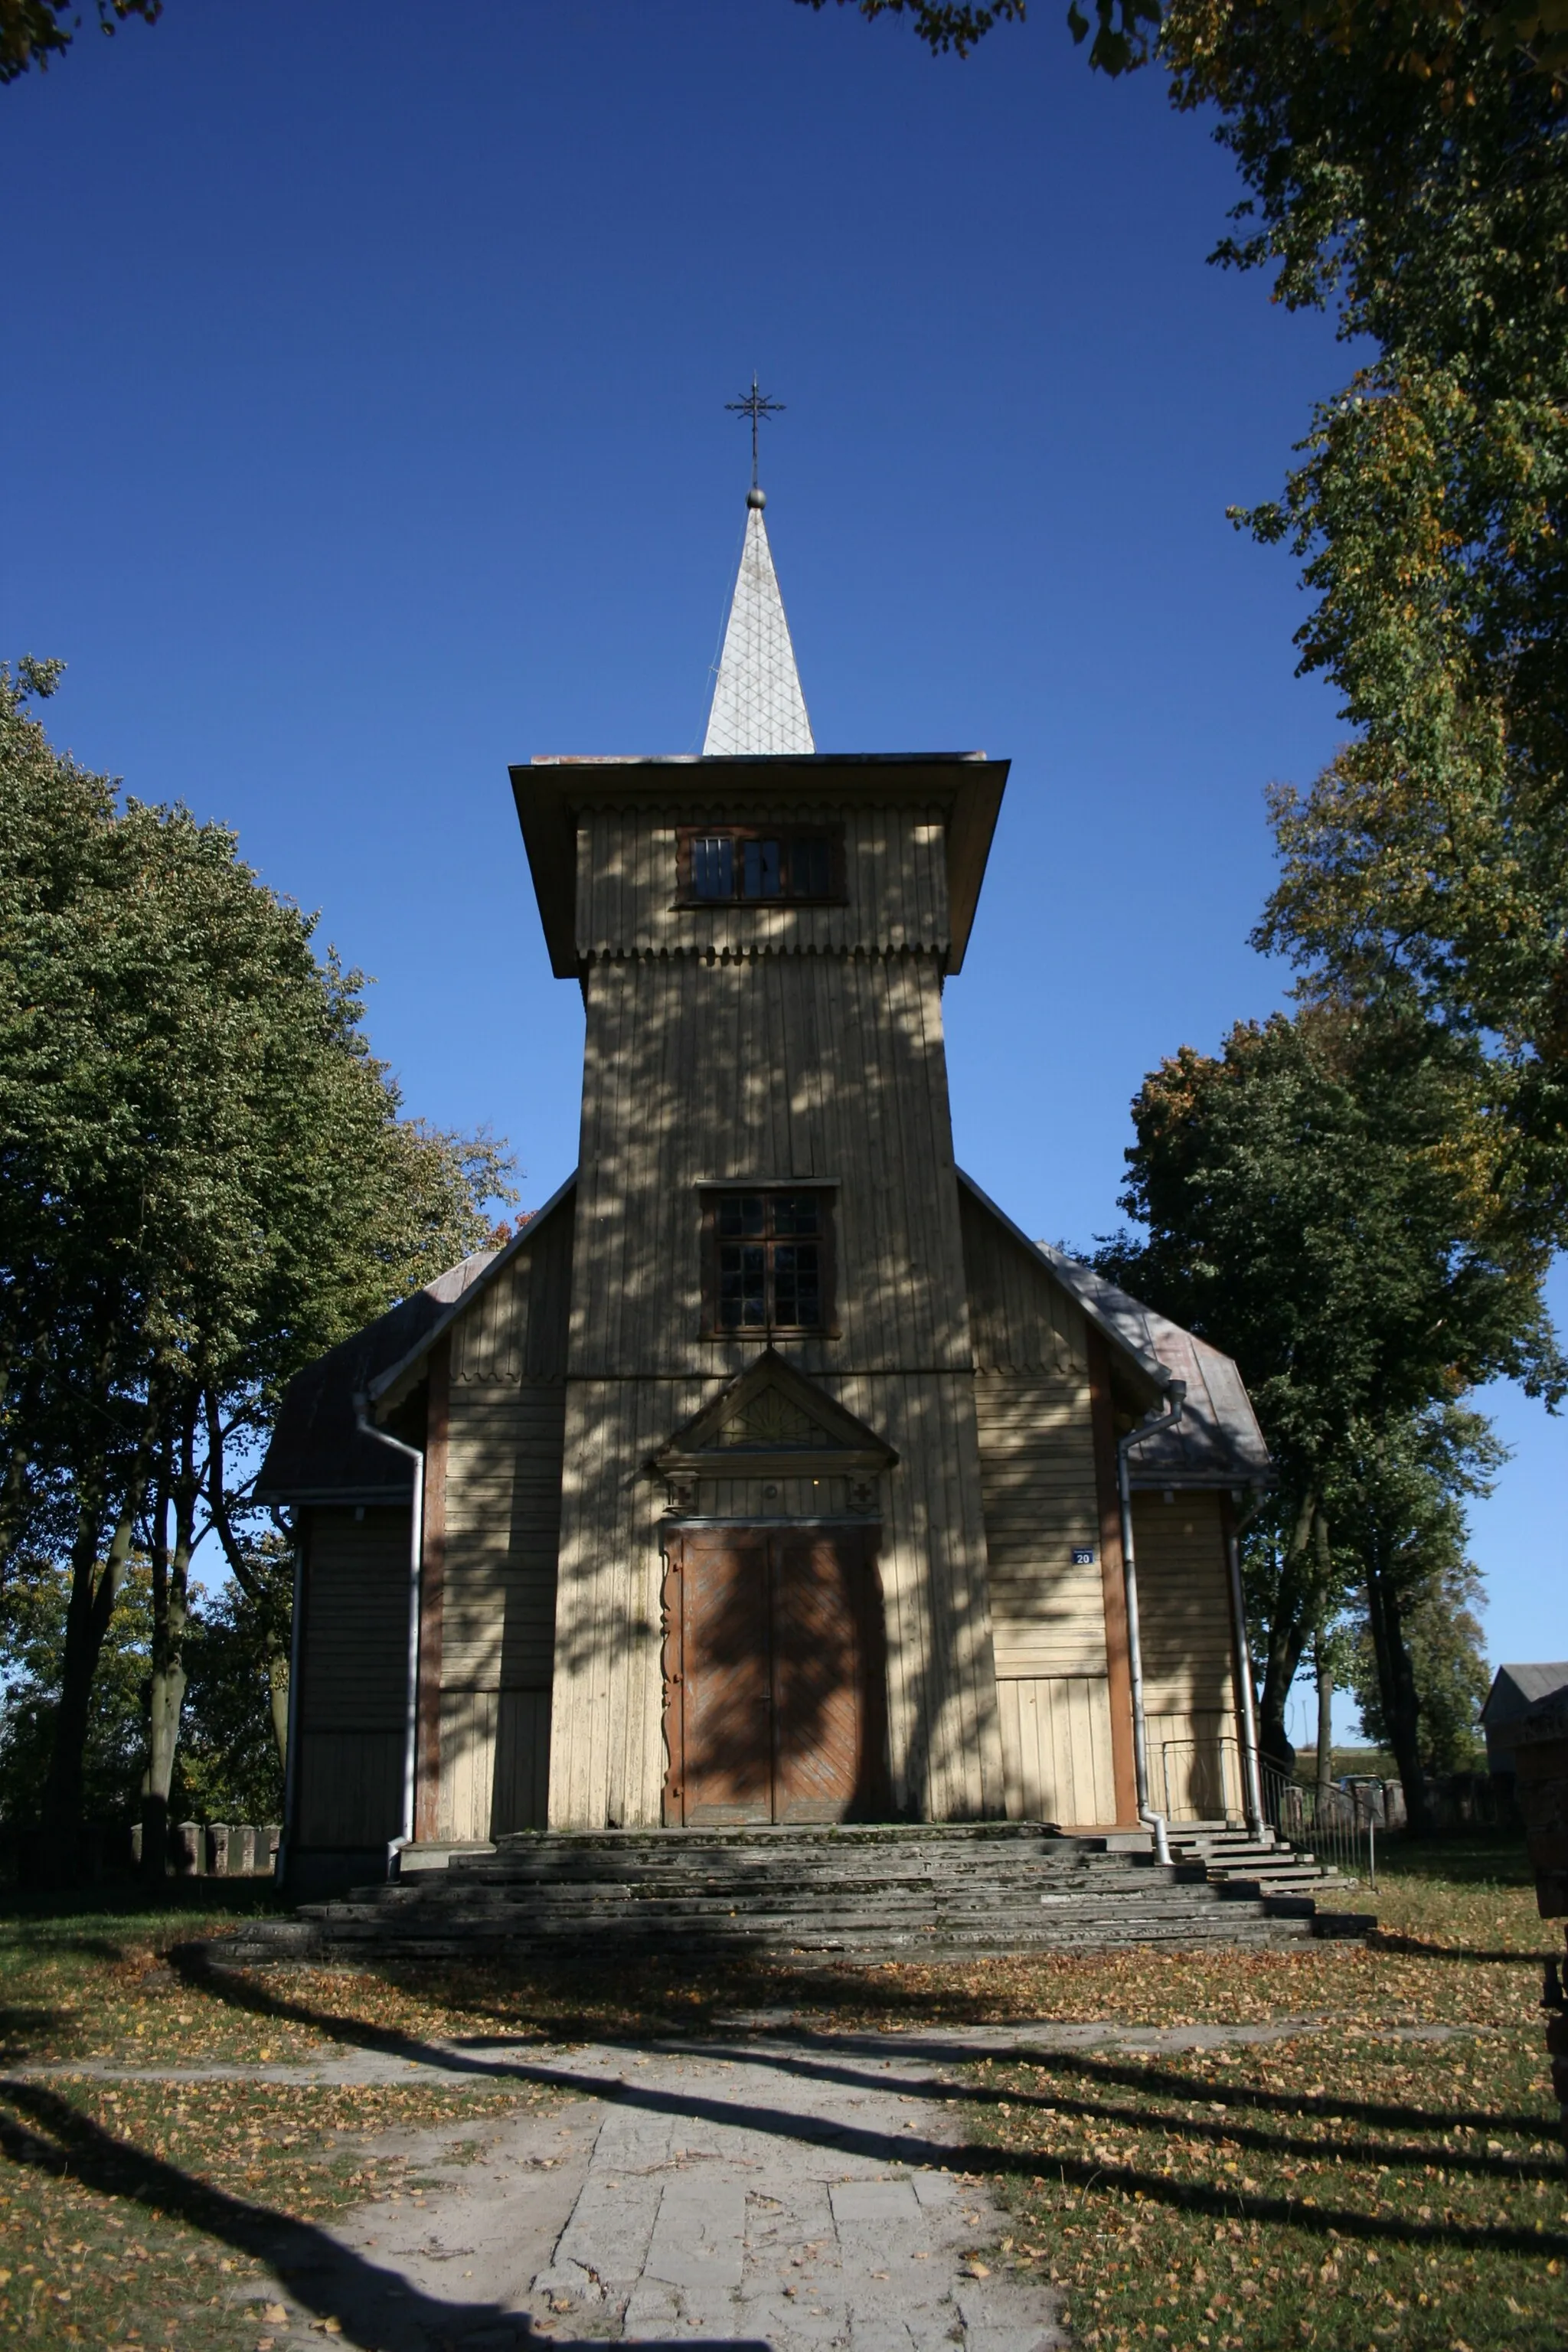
{"x":319,"y":1453}
{"x":758,"y":706}
{"x":1217,"y":1441}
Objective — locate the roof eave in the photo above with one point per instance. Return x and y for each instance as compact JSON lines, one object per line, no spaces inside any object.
{"x":549,"y":790}
{"x":390,"y":1387}
{"x":1149,"y":1367}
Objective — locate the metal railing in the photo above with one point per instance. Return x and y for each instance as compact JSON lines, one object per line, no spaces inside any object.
{"x":1339,"y":1825}
{"x":1201,"y":1780}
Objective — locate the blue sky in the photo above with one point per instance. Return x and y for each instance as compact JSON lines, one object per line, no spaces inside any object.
{"x":374,"y":436}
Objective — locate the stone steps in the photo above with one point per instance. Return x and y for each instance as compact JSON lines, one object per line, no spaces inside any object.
{"x":886,"y":1892}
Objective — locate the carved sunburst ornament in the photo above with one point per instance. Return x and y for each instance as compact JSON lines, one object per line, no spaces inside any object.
{"x":769,"y":1419}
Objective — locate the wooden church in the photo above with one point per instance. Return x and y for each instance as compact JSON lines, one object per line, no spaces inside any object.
{"x":771,"y":1473}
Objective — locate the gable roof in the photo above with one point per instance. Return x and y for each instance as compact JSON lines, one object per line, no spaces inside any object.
{"x":319,"y":1453}
{"x":1217,"y":1442}
{"x":1516,"y":1691}
{"x":391,"y":1384}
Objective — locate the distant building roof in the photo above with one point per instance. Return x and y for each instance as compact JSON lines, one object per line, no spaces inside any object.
{"x":1517,"y":1691}
{"x":317,"y":1452}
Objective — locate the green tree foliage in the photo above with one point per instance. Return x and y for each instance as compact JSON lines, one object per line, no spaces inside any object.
{"x":1419,"y":1671}
{"x":943,"y":24}
{"x":227,"y":1767}
{"x":1409,"y":164}
{"x":33,"y":1612}
{"x":34,"y":31}
{"x":205,"y":1182}
{"x":1406,"y":161}
{"x":230,"y":1763}
{"x":1311,"y":1206}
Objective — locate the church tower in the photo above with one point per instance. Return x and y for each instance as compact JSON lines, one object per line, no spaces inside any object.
{"x":769,"y":1475}
{"x":771,"y":1599}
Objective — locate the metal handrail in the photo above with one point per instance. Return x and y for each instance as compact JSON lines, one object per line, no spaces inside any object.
{"x":1342,"y":1831}
{"x":1196,"y":1778}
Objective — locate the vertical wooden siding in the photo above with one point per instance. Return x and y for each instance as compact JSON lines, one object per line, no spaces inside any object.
{"x":1056,"y":1747}
{"x":1189,"y":1678}
{"x":781,"y":1067}
{"x":506,"y":1425}
{"x":776,"y":1066}
{"x":1041,"y":1503}
{"x":354,"y":1668}
{"x":895,"y":875}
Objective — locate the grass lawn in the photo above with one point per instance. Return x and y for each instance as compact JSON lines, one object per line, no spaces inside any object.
{"x":1346,"y":2187}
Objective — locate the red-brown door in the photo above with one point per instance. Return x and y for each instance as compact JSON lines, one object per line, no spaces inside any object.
{"x":773,"y":1704}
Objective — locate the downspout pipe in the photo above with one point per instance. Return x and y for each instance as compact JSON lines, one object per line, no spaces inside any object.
{"x":292,"y":1738}
{"x":1251,"y":1778}
{"x":416,"y":1454}
{"x":1177,"y":1394}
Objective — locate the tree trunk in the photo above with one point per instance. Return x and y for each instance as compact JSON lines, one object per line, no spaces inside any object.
{"x":1325,"y":1772}
{"x":278,"y":1697}
{"x":1396,"y":1690}
{"x":171,"y":1579}
{"x":1289,"y":1624}
{"x":93,"y":1594}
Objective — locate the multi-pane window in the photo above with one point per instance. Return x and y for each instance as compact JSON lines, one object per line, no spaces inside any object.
{"x":769,"y":1261}
{"x":738,"y":864}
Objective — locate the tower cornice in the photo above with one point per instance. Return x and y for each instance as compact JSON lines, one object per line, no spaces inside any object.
{"x":963,"y":790}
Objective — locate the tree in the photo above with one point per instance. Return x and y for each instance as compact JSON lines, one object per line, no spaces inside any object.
{"x":34,"y":31}
{"x":204,"y":1181}
{"x":32,"y":1646}
{"x":1407,"y":161}
{"x":233,"y":1749}
{"x":1422,"y":1671}
{"x":1430,"y":859}
{"x":1311,"y":1206}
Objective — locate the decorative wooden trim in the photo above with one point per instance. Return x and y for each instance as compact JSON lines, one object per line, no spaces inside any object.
{"x":1118,"y":1655}
{"x":844,"y":1443}
{"x":1237,"y":1663}
{"x":432,"y":1596}
{"x":672,"y":1624}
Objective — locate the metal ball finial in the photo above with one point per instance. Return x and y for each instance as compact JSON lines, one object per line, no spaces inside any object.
{"x":756,"y":497}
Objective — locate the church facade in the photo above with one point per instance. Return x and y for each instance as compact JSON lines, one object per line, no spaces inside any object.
{"x":770,"y":1473}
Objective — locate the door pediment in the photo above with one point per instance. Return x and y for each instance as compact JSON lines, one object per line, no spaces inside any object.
{"x":773,"y":1423}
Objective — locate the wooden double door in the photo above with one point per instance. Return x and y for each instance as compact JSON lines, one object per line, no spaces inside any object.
{"x":775,"y":1675}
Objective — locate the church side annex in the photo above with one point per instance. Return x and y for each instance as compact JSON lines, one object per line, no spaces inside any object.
{"x":770,"y":1474}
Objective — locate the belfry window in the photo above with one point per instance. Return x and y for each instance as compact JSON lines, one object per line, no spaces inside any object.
{"x":769,"y":1258}
{"x":739,"y":864}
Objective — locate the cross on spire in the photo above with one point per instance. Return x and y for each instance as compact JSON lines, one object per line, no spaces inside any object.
{"x":756,"y":405}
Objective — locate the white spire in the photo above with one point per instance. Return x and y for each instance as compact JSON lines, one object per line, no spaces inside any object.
{"x":757,"y":702}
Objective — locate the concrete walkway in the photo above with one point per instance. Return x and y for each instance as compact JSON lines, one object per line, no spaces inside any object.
{"x":786,"y":2189}
{"x":743,"y":2194}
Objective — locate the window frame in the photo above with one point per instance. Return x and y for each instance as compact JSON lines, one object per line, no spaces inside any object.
{"x":786,"y":835}
{"x":710,"y":1196}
